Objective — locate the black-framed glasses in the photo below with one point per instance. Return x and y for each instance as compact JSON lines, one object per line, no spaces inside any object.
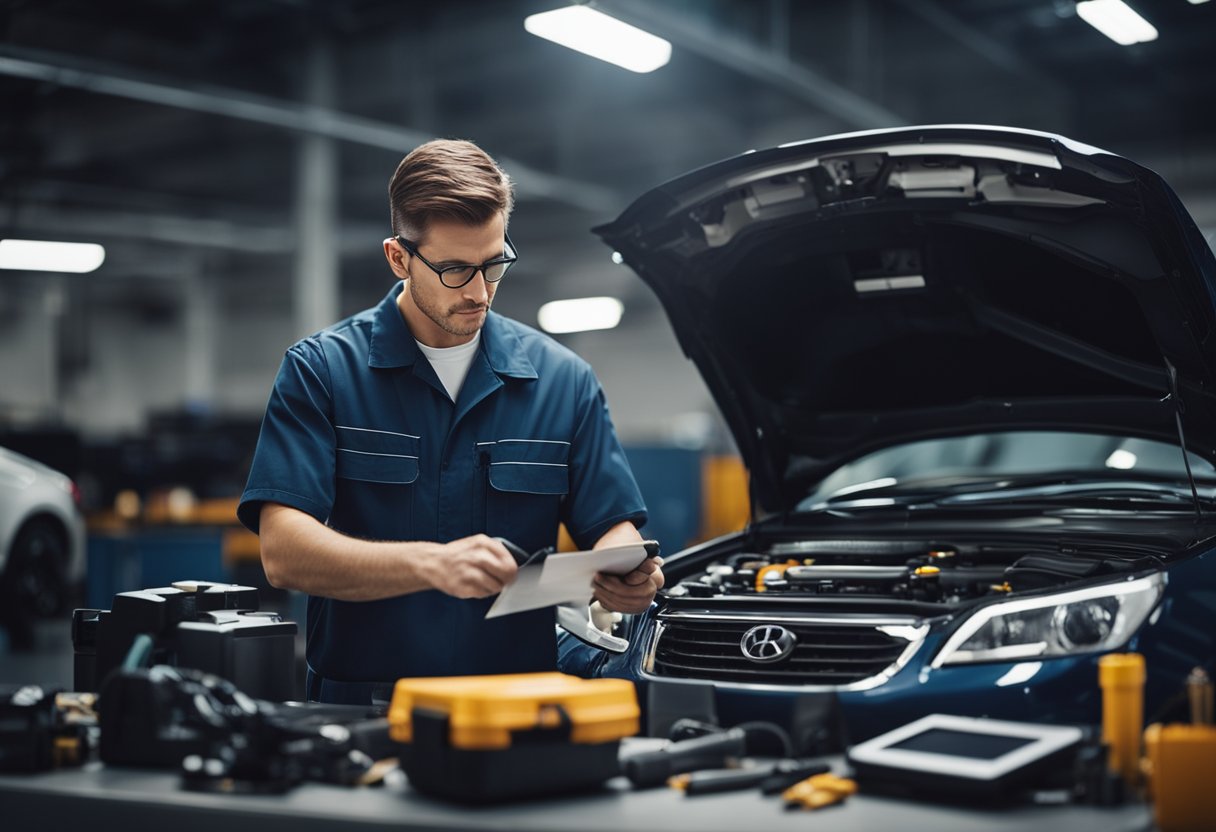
{"x":459,"y":274}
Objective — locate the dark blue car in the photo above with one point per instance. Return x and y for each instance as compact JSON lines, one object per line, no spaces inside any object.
{"x":962,"y":365}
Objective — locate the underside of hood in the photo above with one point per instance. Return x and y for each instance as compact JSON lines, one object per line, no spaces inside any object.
{"x":850,"y":293}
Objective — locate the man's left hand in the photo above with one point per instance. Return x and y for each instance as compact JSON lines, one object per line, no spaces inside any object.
{"x":632,"y":592}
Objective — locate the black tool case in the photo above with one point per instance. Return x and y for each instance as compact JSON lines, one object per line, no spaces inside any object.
{"x":482,"y":739}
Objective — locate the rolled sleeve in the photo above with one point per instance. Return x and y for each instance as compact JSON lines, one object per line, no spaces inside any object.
{"x":294,"y":460}
{"x":603,"y":491}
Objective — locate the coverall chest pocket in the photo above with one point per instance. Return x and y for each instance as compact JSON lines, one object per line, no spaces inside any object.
{"x":527,"y":481}
{"x":377,"y":470}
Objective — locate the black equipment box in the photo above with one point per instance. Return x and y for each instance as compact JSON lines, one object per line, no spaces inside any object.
{"x":216,"y":628}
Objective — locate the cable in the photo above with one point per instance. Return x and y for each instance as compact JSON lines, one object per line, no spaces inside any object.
{"x":772,"y":729}
{"x":140,"y":652}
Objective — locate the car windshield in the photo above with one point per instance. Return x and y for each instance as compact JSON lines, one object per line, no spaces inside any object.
{"x":1013,"y":454}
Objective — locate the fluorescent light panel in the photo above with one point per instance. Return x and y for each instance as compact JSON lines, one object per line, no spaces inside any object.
{"x":48,"y":256}
{"x":600,"y":36}
{"x":1117,"y":20}
{"x":580,"y":314}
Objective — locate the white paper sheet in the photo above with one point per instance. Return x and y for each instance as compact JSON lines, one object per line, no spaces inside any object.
{"x":563,"y":577}
{"x":578,"y":568}
{"x":526,"y":593}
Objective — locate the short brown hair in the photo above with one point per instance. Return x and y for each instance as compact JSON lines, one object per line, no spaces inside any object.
{"x":448,"y":179}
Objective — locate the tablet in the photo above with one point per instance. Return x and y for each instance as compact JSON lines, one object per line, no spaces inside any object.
{"x":964,"y":755}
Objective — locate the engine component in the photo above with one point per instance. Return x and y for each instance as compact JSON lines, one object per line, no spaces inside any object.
{"x":41,"y":728}
{"x":922,"y":571}
{"x":225,"y":740}
{"x":211,"y":627}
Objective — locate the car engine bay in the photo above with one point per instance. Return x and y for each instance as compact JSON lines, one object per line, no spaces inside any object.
{"x":853,"y":611}
{"x":920,"y":571}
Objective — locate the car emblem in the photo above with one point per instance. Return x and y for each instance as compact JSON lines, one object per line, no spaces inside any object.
{"x":767,"y":643}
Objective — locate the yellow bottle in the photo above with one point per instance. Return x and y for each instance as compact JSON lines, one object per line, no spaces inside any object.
{"x":1121,"y":676}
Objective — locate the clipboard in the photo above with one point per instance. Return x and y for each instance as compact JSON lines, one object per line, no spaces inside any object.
{"x":547,"y":579}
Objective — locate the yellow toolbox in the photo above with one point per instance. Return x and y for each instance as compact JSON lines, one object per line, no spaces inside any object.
{"x":480,"y":739}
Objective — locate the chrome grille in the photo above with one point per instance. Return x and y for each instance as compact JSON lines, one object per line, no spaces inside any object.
{"x":826,"y":653}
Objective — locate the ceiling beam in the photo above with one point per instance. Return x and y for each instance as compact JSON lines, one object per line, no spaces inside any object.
{"x":69,"y":71}
{"x":758,"y":62}
{"x":986,"y":47}
{"x":246,"y":235}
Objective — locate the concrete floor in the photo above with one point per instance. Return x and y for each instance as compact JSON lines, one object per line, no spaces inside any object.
{"x":50,"y":662}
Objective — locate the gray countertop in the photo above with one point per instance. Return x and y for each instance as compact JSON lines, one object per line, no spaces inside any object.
{"x":103,"y":798}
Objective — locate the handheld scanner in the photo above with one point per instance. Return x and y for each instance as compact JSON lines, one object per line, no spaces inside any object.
{"x":521,"y":557}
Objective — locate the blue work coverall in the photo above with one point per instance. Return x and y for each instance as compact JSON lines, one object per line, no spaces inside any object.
{"x":360,"y":433}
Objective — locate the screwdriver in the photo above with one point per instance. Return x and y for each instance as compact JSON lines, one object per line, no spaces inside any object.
{"x":770,"y":777}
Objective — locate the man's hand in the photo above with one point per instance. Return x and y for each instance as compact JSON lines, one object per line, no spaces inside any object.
{"x":472,"y":567}
{"x":631,"y":592}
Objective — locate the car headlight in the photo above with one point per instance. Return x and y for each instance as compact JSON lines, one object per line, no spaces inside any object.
{"x":1090,"y":620}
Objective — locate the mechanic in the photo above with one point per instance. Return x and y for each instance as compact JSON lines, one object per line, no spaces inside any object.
{"x":400,"y":442}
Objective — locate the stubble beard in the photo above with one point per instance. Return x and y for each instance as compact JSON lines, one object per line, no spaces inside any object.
{"x":446,"y":319}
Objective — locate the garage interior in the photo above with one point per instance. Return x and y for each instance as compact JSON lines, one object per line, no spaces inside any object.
{"x":232,"y":159}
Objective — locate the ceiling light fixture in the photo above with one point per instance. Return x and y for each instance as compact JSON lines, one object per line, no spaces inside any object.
{"x":596,"y":34}
{"x":49,"y":256}
{"x":1117,"y":20}
{"x":580,"y":314}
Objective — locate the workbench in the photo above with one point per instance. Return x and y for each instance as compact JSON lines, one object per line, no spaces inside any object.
{"x":97,"y":797}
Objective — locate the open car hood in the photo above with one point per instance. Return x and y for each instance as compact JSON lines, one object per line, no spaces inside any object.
{"x":858,"y":291}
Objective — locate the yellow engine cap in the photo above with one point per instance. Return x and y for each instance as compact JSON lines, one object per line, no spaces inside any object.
{"x":777,"y":569}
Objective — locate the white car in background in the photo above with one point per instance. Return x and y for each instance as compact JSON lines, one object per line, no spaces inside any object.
{"x":42,"y":541}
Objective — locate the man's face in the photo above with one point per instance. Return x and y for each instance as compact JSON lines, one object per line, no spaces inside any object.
{"x":439,"y":316}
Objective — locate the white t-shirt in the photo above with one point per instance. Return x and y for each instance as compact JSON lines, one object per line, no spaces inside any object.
{"x":451,"y":363}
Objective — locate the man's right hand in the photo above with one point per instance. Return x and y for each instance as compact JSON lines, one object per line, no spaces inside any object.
{"x":472,"y":567}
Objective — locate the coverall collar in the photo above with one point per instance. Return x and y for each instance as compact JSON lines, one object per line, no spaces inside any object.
{"x":393,"y":345}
